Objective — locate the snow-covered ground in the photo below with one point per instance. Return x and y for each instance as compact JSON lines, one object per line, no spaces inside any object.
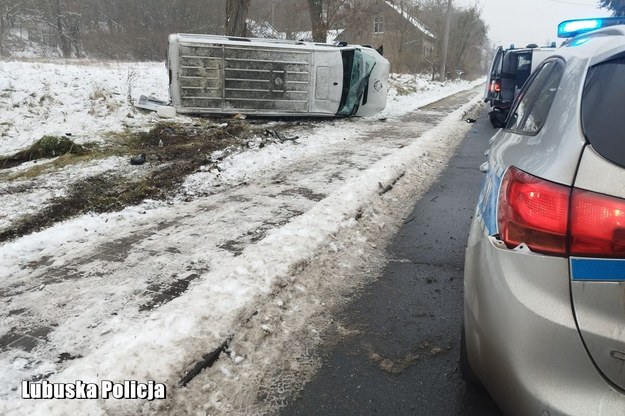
{"x":84,"y":99}
{"x":87,"y":99}
{"x":245,"y":248}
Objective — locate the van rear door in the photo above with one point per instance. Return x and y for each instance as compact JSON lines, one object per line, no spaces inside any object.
{"x":493,"y":75}
{"x":516,"y":68}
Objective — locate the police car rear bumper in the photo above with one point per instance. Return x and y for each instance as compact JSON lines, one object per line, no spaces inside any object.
{"x":522,"y":339}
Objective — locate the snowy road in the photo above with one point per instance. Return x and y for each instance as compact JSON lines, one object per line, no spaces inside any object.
{"x":251,"y":253}
{"x":402,"y":356}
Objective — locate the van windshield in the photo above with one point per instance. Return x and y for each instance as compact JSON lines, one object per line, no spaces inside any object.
{"x":356,"y":77}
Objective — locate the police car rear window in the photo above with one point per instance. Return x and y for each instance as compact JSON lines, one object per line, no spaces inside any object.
{"x":534,"y":101}
{"x":603,"y":102}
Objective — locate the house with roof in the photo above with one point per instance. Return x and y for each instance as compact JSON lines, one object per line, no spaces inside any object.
{"x":408,"y":43}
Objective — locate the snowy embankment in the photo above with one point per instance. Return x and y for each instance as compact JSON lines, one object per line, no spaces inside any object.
{"x":84,"y":99}
{"x":91,"y":98}
{"x":264,"y":205}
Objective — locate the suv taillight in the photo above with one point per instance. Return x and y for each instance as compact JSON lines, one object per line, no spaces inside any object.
{"x":555,"y":219}
{"x":533,"y":211}
{"x":495,"y":86}
{"x":597,"y":225}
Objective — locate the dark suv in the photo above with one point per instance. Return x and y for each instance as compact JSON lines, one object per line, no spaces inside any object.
{"x":509,"y":71}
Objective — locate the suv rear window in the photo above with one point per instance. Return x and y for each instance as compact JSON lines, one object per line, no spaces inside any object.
{"x":603,"y":102}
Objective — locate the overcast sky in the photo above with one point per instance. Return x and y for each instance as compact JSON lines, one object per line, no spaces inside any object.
{"x":530,"y":21}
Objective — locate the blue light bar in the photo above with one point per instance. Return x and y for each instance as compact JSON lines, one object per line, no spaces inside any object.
{"x":575,"y":27}
{"x":572,"y":28}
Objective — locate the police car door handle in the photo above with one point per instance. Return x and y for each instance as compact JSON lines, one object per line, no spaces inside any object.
{"x":484,"y":167}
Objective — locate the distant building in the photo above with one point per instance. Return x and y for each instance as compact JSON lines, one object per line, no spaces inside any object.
{"x":408,"y":43}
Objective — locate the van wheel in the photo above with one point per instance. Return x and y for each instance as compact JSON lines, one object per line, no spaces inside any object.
{"x":497,"y":119}
{"x":466,"y":372}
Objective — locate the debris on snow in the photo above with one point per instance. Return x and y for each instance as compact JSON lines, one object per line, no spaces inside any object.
{"x":138,"y":160}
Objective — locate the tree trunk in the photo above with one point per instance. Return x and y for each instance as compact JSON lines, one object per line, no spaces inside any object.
{"x":1,"y":33}
{"x":74,"y":35}
{"x":61,"y":30}
{"x":316,"y":20}
{"x":7,"y":16}
{"x":236,"y":15}
{"x":64,"y":40}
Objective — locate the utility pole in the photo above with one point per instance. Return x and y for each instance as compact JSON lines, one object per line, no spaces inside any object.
{"x":442,"y":74}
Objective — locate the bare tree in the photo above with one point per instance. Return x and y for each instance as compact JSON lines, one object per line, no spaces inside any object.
{"x":236,"y":16}
{"x":8,"y":11}
{"x":467,"y":36}
{"x":616,"y":6}
{"x":122,"y":29}
{"x":322,"y":16}
{"x":64,"y":19}
{"x":318,"y":24}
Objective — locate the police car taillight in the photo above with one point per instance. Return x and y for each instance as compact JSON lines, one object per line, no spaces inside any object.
{"x":597,"y":225}
{"x":555,"y":219}
{"x":533,"y":212}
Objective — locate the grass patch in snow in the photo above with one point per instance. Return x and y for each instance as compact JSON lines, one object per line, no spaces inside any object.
{"x":103,"y":102}
{"x":173,"y":151}
{"x":52,"y":146}
{"x":405,"y":89}
{"x":44,"y":148}
{"x":61,"y":162}
{"x":177,"y":140}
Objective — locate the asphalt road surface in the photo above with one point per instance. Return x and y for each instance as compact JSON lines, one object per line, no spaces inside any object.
{"x":401,"y":354}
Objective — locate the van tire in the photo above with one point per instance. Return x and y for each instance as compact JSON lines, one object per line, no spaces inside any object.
{"x":496,"y":119}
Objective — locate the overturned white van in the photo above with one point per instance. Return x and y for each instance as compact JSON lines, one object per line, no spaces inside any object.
{"x":211,"y":74}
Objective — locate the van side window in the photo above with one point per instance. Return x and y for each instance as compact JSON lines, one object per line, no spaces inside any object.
{"x":534,"y":102}
{"x":524,"y":63}
{"x":523,"y":69}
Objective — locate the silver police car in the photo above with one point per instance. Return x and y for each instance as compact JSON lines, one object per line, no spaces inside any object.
{"x":544,"y":301}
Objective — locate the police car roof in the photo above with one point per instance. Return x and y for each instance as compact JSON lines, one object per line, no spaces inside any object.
{"x":596,"y":46}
